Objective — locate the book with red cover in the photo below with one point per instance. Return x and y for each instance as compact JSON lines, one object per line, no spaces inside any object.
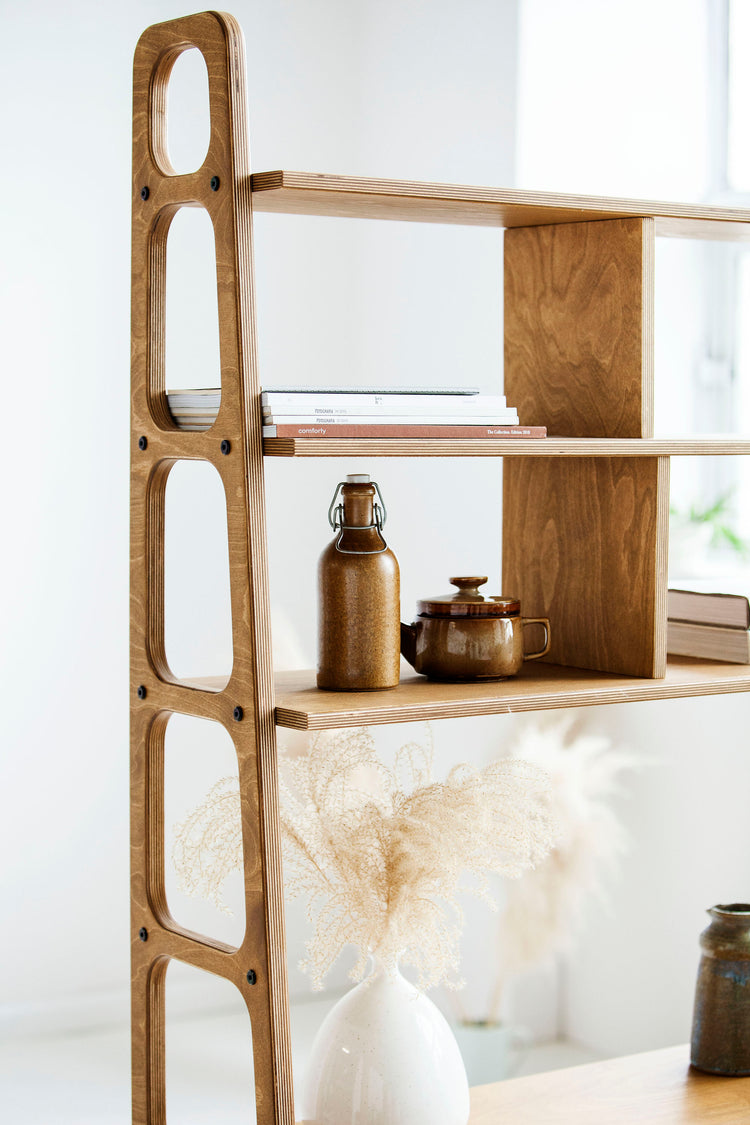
{"x":337,"y":430}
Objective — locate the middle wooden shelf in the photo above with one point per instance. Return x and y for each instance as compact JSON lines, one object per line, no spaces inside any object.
{"x":697,"y":445}
{"x":300,"y":705}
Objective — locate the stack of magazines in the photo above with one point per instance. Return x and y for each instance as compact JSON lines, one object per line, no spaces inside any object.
{"x":365,"y":412}
{"x":711,"y":626}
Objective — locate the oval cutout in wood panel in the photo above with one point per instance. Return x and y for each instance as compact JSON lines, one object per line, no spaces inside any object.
{"x":197,"y":604}
{"x":203,"y":830}
{"x":209,"y":1049}
{"x":193,"y":357}
{"x":188,"y":112}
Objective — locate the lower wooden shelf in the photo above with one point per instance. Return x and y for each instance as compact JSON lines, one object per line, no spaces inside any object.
{"x":538,"y":687}
{"x":656,"y":1088}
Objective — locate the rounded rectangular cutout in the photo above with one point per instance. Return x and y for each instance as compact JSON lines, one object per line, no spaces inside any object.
{"x":193,"y":359}
{"x":197,"y":603}
{"x":209,"y":1050}
{"x":202,"y":830}
{"x":188,"y":112}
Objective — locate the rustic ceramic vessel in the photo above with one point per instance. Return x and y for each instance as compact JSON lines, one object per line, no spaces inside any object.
{"x":466,"y":636}
{"x":721,"y":1016}
{"x":358,"y":594}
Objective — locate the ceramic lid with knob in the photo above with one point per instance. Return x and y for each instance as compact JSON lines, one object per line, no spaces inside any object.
{"x":468,"y":602}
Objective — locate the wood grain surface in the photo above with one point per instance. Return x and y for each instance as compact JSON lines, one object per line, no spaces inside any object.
{"x":245,"y":703}
{"x":702,"y":446}
{"x":655,"y":1088}
{"x":307,"y":193}
{"x":579,"y":327}
{"x":585,"y":544}
{"x":537,"y":687}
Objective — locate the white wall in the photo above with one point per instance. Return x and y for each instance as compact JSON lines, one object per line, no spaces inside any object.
{"x":400,"y":89}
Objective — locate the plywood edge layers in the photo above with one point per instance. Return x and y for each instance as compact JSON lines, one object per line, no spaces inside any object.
{"x":701,"y":446}
{"x":304,"y":193}
{"x":250,"y":686}
{"x":538,"y":687}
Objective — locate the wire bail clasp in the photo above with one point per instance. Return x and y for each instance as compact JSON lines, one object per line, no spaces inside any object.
{"x":336,"y":518}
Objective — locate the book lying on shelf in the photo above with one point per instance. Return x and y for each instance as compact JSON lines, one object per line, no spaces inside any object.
{"x":347,"y":405}
{"x":732,"y":610}
{"x":208,"y":398}
{"x":434,"y":430}
{"x":711,"y":642}
{"x":498,"y":418}
{"x":371,"y":390}
{"x":370,"y":412}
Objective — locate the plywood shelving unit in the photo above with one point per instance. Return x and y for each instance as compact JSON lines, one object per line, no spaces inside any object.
{"x":579,"y":280}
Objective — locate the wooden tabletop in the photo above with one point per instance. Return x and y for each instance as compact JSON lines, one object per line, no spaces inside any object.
{"x":656,"y":1088}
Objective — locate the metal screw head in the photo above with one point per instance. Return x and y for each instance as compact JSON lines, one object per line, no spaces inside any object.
{"x":225,"y":446}
{"x":143,"y":933}
{"x":252,"y":976}
{"x":238,"y":714}
{"x":145,"y":193}
{"x":142,"y":442}
{"x":141,"y":693}
{"x":215,"y":183}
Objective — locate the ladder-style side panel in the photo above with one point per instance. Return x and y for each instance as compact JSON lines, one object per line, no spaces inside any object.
{"x":245,"y":703}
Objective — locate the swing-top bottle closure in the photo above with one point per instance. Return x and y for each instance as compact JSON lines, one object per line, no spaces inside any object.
{"x":342,"y":511}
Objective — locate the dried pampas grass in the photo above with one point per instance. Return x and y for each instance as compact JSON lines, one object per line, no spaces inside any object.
{"x":208,"y":844}
{"x":380,"y":853}
{"x":543,"y":908}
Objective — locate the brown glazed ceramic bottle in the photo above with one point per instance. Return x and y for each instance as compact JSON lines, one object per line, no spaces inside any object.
{"x":359,"y":633}
{"x":721,"y":1016}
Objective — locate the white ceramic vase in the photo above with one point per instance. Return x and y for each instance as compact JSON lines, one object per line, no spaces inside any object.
{"x":385,"y":1055}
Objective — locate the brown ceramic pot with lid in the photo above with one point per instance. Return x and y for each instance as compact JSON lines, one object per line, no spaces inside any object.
{"x":467,"y":636}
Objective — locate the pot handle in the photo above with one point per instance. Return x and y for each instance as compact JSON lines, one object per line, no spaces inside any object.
{"x":409,"y":643}
{"x":537,"y":621}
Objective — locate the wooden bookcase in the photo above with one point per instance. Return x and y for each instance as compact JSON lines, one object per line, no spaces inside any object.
{"x":590,"y":552}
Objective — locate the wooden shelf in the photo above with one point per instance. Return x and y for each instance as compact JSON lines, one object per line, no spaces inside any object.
{"x":302,"y":193}
{"x":655,"y":1088}
{"x":538,"y":687}
{"x":708,"y":445}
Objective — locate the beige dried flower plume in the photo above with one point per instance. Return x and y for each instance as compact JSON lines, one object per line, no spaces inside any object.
{"x":543,"y":909}
{"x":379,"y":852}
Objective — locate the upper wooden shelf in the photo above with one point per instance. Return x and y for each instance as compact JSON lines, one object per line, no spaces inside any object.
{"x":708,"y":445}
{"x":303,"y":193}
{"x":655,"y":1088}
{"x":538,"y":687}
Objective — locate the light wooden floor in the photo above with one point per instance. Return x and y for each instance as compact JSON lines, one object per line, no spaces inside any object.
{"x":656,"y":1088}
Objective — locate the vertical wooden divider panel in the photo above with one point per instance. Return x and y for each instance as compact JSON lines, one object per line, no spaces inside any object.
{"x":585,"y":540}
{"x":245,"y":704}
{"x":579,"y":327}
{"x":584,"y":545}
